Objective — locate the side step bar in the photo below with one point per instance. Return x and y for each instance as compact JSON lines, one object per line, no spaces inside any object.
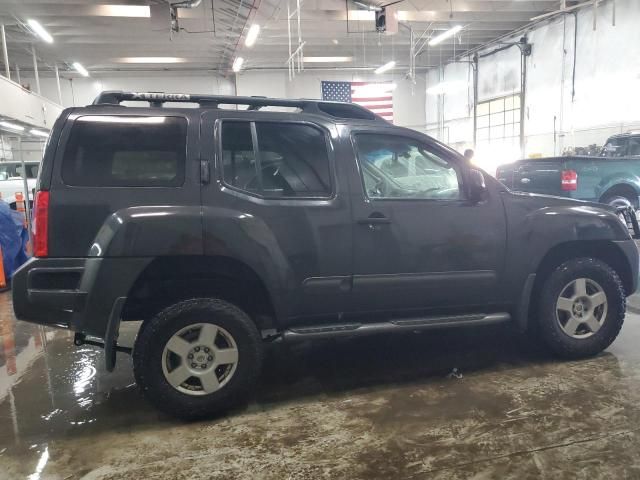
{"x":405,"y":324}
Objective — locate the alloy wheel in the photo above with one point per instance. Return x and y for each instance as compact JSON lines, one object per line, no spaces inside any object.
{"x":200,"y":359}
{"x":581,"y":308}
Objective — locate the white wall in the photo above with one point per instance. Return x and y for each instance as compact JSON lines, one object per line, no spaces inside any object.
{"x":408,"y":98}
{"x":82,"y":91}
{"x":607,"y":82}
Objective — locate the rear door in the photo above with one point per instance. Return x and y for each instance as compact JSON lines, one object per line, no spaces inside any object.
{"x":111,"y":159}
{"x":276,"y":199}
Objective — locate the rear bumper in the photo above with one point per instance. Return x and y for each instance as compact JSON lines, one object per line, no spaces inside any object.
{"x":45,"y":291}
{"x":74,"y":293}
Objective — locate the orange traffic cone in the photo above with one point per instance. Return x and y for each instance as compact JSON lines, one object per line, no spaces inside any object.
{"x":20,"y":206}
{"x":3,"y":278}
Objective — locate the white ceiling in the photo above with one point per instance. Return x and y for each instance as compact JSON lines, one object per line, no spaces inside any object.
{"x":83,"y":33}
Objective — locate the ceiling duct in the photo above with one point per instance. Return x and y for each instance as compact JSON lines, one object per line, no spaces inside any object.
{"x":174,"y":11}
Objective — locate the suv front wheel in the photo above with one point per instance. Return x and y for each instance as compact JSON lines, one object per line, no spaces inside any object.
{"x":197,"y":357}
{"x":582,"y":308}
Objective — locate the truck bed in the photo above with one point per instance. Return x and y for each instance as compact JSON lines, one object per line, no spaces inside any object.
{"x":585,"y":178}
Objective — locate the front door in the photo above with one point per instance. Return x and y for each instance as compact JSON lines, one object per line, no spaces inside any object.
{"x":419,"y":242}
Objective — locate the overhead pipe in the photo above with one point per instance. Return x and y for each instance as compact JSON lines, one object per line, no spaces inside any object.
{"x":187,"y":4}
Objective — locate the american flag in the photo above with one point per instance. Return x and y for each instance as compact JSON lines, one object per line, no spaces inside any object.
{"x":377,"y":97}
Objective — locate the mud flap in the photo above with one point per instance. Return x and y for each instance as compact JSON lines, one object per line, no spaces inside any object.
{"x":111,"y":334}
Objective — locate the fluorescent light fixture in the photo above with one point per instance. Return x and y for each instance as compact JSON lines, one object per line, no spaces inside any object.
{"x":151,"y":60}
{"x":448,"y":87}
{"x":327,"y":59}
{"x":135,"y":11}
{"x":386,"y":67}
{"x":40,"y":31}
{"x":373,"y":8}
{"x":444,"y":35}
{"x":237,"y":64}
{"x":12,"y":126}
{"x":252,"y":35}
{"x":38,"y":133}
{"x":80,"y":69}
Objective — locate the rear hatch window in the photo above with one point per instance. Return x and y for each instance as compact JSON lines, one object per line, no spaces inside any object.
{"x":124,"y":151}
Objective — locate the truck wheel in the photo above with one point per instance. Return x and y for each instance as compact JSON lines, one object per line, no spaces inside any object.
{"x":582,"y":307}
{"x":197,"y":357}
{"x":620,"y":201}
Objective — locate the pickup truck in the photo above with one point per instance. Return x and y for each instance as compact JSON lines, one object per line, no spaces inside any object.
{"x":614,"y":181}
{"x":11,"y":181}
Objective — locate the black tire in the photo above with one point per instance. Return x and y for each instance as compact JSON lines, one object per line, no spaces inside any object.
{"x":550,"y":330}
{"x":156,"y":332}
{"x":619,"y":200}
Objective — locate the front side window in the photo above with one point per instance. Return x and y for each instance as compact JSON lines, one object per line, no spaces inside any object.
{"x":289,"y":159}
{"x":126,"y":151}
{"x":399,"y":167}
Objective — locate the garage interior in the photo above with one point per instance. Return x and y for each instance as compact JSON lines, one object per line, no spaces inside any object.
{"x":507,"y":79}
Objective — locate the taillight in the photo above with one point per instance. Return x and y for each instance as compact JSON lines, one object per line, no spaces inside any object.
{"x":569,"y":180}
{"x":41,"y":224}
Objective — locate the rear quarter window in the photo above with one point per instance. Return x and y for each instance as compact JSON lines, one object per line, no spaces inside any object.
{"x":125,"y":151}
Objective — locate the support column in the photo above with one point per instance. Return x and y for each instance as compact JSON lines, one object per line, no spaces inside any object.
{"x":35,"y":68}
{"x":58,"y":83}
{"x":3,"y":35}
{"x":474,"y":65}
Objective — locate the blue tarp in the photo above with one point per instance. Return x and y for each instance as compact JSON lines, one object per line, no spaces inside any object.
{"x":13,"y":239}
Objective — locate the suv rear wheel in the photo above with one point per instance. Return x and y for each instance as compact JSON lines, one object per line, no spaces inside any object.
{"x":582,"y":308}
{"x":197,"y":357}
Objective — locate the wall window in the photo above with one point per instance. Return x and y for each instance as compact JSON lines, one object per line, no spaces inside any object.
{"x":399,"y":167}
{"x":118,"y":151}
{"x":289,"y":160}
{"x":499,"y":124}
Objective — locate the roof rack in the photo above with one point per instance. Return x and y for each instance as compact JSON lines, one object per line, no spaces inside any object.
{"x":318,"y":107}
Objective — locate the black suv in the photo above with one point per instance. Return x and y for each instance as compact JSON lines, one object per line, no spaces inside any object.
{"x":223,"y":229}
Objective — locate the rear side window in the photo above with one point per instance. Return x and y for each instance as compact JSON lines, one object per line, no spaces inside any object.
{"x":288,"y":159}
{"x":126,"y":151}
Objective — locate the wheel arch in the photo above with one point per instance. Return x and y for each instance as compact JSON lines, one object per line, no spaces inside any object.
{"x":168,"y":280}
{"x":603,"y":250}
{"x":627,"y":190}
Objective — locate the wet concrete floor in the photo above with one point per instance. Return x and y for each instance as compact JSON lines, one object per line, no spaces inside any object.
{"x":372,"y":408}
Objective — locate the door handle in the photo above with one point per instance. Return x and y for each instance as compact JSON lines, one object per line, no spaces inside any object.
{"x":205,"y":172}
{"x":374,"y":219}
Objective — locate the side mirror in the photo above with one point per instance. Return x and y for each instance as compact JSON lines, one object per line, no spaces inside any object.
{"x":476,"y":187}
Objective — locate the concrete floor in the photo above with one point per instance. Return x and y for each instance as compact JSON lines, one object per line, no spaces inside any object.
{"x":382,"y":407}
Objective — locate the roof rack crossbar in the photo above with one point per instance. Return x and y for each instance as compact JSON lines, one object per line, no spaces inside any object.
{"x":157,"y":99}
